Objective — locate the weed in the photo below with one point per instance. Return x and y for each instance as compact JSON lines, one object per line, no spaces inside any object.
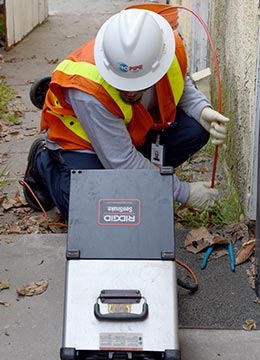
{"x":4,"y":179}
{"x":6,"y":96}
{"x":228,"y":209}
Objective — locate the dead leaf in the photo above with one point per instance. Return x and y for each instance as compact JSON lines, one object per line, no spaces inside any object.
{"x":237,"y":231}
{"x":197,"y":158}
{"x":245,"y":252}
{"x":51,"y":61}
{"x":16,"y":202}
{"x":32,"y":132}
{"x":6,"y":304}
{"x":4,"y":284}
{"x":251,"y":274}
{"x":220,"y":240}
{"x":198,"y":240}
{"x":73,"y":36}
{"x":34,"y":288}
{"x":7,"y":138}
{"x":218,"y":253}
{"x":8,"y":241}
{"x":36,"y":220}
{"x":14,"y":229}
{"x":1,"y":197}
{"x":249,"y":325}
{"x":20,"y":137}
{"x":8,"y":203}
{"x":20,"y":200}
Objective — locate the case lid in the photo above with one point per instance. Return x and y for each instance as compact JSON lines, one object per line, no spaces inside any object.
{"x":121,"y":214}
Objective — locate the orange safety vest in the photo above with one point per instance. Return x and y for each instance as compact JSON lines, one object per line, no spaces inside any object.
{"x":79,"y":71}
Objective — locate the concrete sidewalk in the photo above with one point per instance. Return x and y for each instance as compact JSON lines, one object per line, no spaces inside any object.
{"x":31,"y":327}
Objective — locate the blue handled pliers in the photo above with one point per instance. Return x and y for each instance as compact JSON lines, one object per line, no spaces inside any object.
{"x":210,"y":250}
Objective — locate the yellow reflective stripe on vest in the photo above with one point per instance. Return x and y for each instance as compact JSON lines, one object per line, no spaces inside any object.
{"x":90,"y":72}
{"x":176,"y":80}
{"x":72,"y":124}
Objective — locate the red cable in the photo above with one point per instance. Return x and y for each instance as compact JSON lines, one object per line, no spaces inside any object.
{"x":217,"y":74}
{"x":24,"y":183}
{"x":195,"y":279}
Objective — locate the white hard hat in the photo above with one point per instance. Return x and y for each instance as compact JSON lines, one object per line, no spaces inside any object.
{"x":134,"y":49}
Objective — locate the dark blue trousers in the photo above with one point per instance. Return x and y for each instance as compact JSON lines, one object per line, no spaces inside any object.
{"x":181,"y":141}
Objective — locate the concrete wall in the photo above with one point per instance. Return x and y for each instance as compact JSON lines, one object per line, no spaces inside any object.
{"x":234,"y":28}
{"x":235,"y":32}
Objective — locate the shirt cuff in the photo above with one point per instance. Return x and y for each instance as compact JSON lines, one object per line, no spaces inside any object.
{"x":181,"y":190}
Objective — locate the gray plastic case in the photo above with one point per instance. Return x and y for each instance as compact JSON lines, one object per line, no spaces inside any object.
{"x":121,"y":214}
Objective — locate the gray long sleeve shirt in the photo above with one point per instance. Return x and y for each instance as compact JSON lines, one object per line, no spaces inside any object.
{"x":110,"y":138}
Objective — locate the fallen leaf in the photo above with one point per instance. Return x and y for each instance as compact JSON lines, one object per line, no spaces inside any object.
{"x":70,"y":36}
{"x":245,"y":252}
{"x":249,"y":325}
{"x":218,"y":252}
{"x":51,"y":61}
{"x":4,"y":284}
{"x":6,"y":304}
{"x":16,"y":202}
{"x":14,"y":229}
{"x":197,"y":240}
{"x":7,"y":138}
{"x":237,"y":231}
{"x":1,"y":197}
{"x":32,"y":132}
{"x":251,"y":274}
{"x":204,"y":170}
{"x":34,"y":288}
{"x":36,"y":220}
{"x":8,"y":241}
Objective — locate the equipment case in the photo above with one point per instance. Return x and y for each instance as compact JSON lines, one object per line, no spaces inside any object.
{"x":120,"y":288}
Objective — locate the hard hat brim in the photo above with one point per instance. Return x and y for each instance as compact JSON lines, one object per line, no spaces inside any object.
{"x":147,"y":80}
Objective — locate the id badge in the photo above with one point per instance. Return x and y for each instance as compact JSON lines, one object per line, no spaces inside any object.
{"x":157,"y":155}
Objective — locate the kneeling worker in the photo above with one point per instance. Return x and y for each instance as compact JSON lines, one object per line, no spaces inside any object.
{"x":122,"y":101}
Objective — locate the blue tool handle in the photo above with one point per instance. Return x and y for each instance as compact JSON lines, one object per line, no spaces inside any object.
{"x":231,"y":256}
{"x":206,"y":256}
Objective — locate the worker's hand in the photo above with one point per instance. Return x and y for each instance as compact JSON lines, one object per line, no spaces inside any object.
{"x":202,"y":196}
{"x":215,"y":124}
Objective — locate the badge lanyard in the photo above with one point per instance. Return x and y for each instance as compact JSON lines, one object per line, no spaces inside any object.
{"x":157,"y":152}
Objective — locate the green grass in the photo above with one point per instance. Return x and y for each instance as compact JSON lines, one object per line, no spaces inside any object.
{"x":228,"y":209}
{"x":4,"y":179}
{"x":6,"y":96}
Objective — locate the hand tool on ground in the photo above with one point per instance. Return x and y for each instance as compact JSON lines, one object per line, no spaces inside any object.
{"x":210,"y":250}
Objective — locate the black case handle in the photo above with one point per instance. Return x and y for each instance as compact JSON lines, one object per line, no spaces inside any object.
{"x":121,"y":316}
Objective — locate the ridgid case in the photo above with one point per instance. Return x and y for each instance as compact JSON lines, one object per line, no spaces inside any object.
{"x":120,"y":288}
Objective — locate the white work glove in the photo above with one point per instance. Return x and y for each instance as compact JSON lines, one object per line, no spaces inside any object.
{"x":215,"y":124}
{"x":202,"y":196}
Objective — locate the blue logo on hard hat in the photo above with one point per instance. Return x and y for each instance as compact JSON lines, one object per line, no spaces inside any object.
{"x":133,"y":68}
{"x":123,"y":67}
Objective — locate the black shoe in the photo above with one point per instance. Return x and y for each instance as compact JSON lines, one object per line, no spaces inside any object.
{"x":35,"y":183}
